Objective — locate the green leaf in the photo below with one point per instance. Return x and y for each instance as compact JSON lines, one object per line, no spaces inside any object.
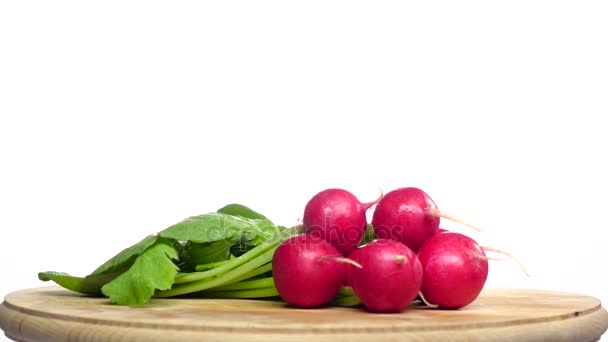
{"x":235,"y":209}
{"x":125,"y":259}
{"x":90,"y":285}
{"x":204,"y":253}
{"x":105,"y":273}
{"x":218,"y":226}
{"x":152,"y":270}
{"x":243,"y":244}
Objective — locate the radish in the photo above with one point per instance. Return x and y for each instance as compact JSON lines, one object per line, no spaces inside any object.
{"x":408,"y":215}
{"x":390,"y":277}
{"x":455,"y":270}
{"x":337,"y":216}
{"x":308,"y":271}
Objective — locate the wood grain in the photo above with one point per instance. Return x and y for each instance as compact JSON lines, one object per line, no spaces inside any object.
{"x":53,"y":314}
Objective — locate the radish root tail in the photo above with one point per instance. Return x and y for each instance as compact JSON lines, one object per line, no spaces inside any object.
{"x":511,"y":256}
{"x":426,"y":302}
{"x":341,"y":259}
{"x":485,"y":257}
{"x":374,"y":202}
{"x":437,"y":212}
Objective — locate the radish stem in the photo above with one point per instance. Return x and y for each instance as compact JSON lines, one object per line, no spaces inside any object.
{"x":346,"y":291}
{"x":347,"y":301}
{"x":251,"y":274}
{"x":234,"y":263}
{"x":246,"y":285}
{"x":242,"y":294}
{"x":211,"y":265}
{"x":204,"y":284}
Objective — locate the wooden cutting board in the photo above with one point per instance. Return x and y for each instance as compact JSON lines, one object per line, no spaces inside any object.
{"x":53,"y":314}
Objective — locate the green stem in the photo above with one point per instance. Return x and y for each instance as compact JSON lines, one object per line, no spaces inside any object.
{"x":251,"y":274}
{"x":204,"y":284}
{"x":255,"y":293}
{"x":346,"y":301}
{"x":346,"y":291}
{"x":197,"y":276}
{"x":246,"y":285}
{"x":211,"y":265}
{"x":234,"y":263}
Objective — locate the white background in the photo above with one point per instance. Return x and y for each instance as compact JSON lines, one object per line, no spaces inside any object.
{"x":120,"y":118}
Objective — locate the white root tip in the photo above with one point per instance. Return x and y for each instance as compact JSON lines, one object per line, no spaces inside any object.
{"x":511,"y":256}
{"x":437,"y":212}
{"x":426,"y":302}
{"x":342,"y":260}
{"x":376,"y":201}
{"x":400,"y":259}
{"x":485,"y":257}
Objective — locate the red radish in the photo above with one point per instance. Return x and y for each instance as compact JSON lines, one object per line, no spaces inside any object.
{"x":307,"y":271}
{"x":406,"y":215}
{"x":455,"y":270}
{"x":390,"y":277}
{"x":410,"y":216}
{"x":337,"y":216}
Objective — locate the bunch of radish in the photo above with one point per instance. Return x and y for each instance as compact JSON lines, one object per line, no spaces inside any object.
{"x":411,"y":257}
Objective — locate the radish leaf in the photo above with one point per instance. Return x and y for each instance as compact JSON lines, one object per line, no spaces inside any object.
{"x":242,"y":211}
{"x":125,"y":259}
{"x":90,"y":285}
{"x":152,"y":270}
{"x":218,"y":226}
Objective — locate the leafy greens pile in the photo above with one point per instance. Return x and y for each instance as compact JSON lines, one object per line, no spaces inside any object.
{"x":224,"y":254}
